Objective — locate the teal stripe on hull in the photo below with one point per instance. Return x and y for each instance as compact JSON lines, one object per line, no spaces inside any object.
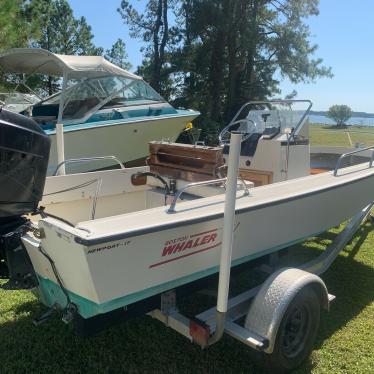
{"x":50,"y":293}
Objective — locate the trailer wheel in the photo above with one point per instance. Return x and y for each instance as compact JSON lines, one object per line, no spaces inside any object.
{"x":296,"y":335}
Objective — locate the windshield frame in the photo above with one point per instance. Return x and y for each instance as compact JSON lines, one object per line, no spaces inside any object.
{"x":91,"y":85}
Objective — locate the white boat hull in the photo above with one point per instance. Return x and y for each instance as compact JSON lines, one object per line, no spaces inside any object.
{"x":128,"y":141}
{"x":116,"y":261}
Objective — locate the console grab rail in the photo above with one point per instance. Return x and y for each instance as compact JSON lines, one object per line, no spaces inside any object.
{"x":203,"y":183}
{"x":340,"y":159}
{"x":87,"y":159}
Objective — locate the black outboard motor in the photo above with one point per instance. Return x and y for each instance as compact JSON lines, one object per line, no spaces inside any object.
{"x":24,"y":153}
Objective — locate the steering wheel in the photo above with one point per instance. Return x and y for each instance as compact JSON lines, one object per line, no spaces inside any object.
{"x":245,"y":126}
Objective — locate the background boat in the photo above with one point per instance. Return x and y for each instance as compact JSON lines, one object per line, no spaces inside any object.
{"x":102,"y":109}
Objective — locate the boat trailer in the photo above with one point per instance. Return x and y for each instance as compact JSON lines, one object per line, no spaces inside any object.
{"x":274,"y":312}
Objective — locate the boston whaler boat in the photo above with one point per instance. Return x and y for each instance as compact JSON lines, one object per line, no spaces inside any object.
{"x":118,"y":242}
{"x":102,"y":109}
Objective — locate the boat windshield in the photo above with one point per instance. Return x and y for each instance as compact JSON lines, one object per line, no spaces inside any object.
{"x":18,"y":98}
{"x":86,"y":96}
{"x":17,"y":101}
{"x":276,"y":116}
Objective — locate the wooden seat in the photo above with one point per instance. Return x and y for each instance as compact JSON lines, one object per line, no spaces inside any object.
{"x":185,"y":161}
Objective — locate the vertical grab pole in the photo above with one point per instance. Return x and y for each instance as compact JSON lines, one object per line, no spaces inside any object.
{"x":228,"y":236}
{"x":228,"y":222}
{"x":60,"y":129}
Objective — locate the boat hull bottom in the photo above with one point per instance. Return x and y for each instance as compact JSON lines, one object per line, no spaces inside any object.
{"x":98,"y":323}
{"x":50,"y":293}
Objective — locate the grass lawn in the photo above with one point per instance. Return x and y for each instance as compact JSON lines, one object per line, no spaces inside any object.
{"x":345,"y":342}
{"x":331,"y":136}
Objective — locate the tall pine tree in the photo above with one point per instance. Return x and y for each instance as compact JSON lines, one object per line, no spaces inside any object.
{"x":118,"y":55}
{"x":152,"y":27}
{"x":241,"y":47}
{"x":16,"y":30}
{"x":60,"y":32}
{"x":218,"y":54}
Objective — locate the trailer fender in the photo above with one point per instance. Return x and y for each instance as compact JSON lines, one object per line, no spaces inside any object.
{"x":271,"y":302}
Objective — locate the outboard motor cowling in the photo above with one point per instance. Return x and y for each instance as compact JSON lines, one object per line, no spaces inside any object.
{"x":24,"y":153}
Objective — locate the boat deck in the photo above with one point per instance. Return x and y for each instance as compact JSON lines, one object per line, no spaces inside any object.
{"x":212,"y":207}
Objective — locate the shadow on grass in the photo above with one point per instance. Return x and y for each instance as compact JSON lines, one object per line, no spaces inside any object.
{"x":335,"y":127}
{"x":361,"y":235}
{"x":143,"y":345}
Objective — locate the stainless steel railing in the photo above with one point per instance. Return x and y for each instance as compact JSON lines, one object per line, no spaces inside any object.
{"x":344,"y":155}
{"x":87,"y":159}
{"x":203,"y":183}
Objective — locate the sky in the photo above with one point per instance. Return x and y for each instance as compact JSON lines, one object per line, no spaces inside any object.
{"x":344,"y":32}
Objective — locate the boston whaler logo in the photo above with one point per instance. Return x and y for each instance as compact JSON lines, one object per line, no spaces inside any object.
{"x":187,"y":246}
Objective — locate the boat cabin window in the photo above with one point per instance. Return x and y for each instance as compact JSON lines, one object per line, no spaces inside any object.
{"x":84,"y":97}
{"x":136,"y":93}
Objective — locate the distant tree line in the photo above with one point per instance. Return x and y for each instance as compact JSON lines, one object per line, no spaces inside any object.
{"x":354,"y":114}
{"x":210,"y":55}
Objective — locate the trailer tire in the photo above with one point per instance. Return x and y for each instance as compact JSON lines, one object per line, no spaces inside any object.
{"x":296,"y":335}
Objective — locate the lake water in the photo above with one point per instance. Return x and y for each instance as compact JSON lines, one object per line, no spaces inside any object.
{"x":352,"y":121}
